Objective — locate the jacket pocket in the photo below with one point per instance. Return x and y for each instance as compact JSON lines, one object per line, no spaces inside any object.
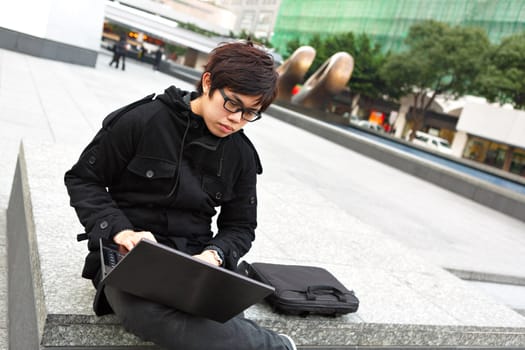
{"x":152,"y":168}
{"x":217,"y":189}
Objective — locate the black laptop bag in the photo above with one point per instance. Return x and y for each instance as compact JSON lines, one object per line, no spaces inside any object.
{"x":303,"y":290}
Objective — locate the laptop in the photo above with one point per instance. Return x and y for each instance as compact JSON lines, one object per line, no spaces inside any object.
{"x":165,"y":275}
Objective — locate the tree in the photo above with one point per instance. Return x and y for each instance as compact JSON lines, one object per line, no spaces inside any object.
{"x":503,"y":78}
{"x":368,"y":60}
{"x":249,"y":36}
{"x":440,"y":60}
{"x":320,"y":54}
{"x":291,"y":46}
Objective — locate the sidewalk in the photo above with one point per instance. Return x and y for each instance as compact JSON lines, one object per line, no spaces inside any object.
{"x":47,"y":101}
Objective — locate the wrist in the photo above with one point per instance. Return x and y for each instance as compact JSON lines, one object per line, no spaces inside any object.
{"x":218,"y":250}
{"x":215,"y":256}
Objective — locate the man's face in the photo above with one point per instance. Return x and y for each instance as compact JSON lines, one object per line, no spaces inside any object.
{"x":224,"y":110}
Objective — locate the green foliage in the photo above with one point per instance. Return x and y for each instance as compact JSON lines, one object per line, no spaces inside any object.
{"x":194,"y":28}
{"x":245,"y":35}
{"x":291,"y":46}
{"x":503,"y":78}
{"x":321,"y":54}
{"x":178,"y":50}
{"x":368,"y":61}
{"x":440,"y":60}
{"x":117,"y":29}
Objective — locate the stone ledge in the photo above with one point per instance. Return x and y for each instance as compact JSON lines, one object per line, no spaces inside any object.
{"x":46,"y":48}
{"x":405,"y":301}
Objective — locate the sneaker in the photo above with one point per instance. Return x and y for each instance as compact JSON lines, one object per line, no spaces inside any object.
{"x":289,"y":341}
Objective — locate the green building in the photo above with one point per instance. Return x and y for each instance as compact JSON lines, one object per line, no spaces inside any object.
{"x":387,"y":21}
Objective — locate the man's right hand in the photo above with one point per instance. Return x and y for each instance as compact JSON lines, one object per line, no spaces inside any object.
{"x":129,"y":238}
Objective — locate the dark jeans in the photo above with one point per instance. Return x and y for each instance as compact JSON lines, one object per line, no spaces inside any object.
{"x":175,"y":330}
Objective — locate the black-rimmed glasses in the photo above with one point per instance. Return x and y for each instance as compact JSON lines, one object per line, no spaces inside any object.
{"x":233,"y":106}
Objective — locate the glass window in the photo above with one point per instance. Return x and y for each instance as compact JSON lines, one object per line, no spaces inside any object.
{"x":496,"y":155}
{"x":476,"y":149}
{"x":517,"y":164}
{"x":247,"y":19}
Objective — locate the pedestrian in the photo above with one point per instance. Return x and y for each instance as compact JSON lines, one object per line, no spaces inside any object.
{"x":142,"y":50}
{"x":158,"y":58}
{"x":122,"y":47}
{"x":116,"y":57}
{"x":159,"y":169}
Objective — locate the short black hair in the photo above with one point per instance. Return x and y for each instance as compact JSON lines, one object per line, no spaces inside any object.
{"x":243,"y":68}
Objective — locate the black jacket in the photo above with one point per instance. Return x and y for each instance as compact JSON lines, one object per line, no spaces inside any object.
{"x":154,"y":166}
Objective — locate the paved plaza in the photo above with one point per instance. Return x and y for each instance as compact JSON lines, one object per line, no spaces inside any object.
{"x":49,"y":102}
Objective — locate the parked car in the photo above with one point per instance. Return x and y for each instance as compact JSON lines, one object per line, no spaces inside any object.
{"x":370,"y":125}
{"x":354,"y":119}
{"x":433,"y":142}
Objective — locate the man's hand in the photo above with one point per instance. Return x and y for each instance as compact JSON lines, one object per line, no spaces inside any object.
{"x":129,"y":238}
{"x":210,"y":256}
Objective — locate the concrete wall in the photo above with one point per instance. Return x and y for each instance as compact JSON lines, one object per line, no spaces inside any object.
{"x":63,"y":30}
{"x":458,"y":145}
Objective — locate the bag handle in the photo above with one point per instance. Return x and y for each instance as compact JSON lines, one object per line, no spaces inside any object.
{"x":312,"y":291}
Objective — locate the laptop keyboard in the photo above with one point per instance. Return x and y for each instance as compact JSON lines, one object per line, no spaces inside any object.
{"x":111,"y":257}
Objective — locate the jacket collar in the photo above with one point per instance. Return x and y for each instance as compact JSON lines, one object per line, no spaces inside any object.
{"x":178,"y":101}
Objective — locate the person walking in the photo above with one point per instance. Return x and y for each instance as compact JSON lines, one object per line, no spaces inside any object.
{"x":159,"y":169}
{"x":141,"y":53}
{"x":116,"y":58}
{"x":158,"y":58}
{"x":122,"y":47}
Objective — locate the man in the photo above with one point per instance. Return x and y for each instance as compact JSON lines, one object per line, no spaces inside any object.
{"x":158,"y":169}
{"x":158,"y":58}
{"x":122,"y":50}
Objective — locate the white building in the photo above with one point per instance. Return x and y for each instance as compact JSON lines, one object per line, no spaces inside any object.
{"x":490,"y":134}
{"x":202,"y":14}
{"x":256,"y":17}
{"x":56,"y":29}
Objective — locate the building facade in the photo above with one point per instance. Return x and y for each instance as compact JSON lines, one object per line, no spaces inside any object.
{"x":492,"y":135}
{"x":387,"y":22}
{"x":203,"y":14}
{"x":54,"y":29}
{"x":256,"y":17}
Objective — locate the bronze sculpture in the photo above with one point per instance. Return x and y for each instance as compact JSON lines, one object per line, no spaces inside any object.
{"x":292,"y":71}
{"x":330,"y":79}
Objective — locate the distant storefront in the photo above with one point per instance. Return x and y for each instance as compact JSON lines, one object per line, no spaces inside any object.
{"x":493,"y":136}
{"x":496,"y":154}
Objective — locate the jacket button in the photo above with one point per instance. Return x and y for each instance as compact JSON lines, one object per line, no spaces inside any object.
{"x":104,"y":224}
{"x":252,"y":200}
{"x":234,"y":254}
{"x":218,"y":195}
{"x":149,"y":174}
{"x":92,"y":160}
